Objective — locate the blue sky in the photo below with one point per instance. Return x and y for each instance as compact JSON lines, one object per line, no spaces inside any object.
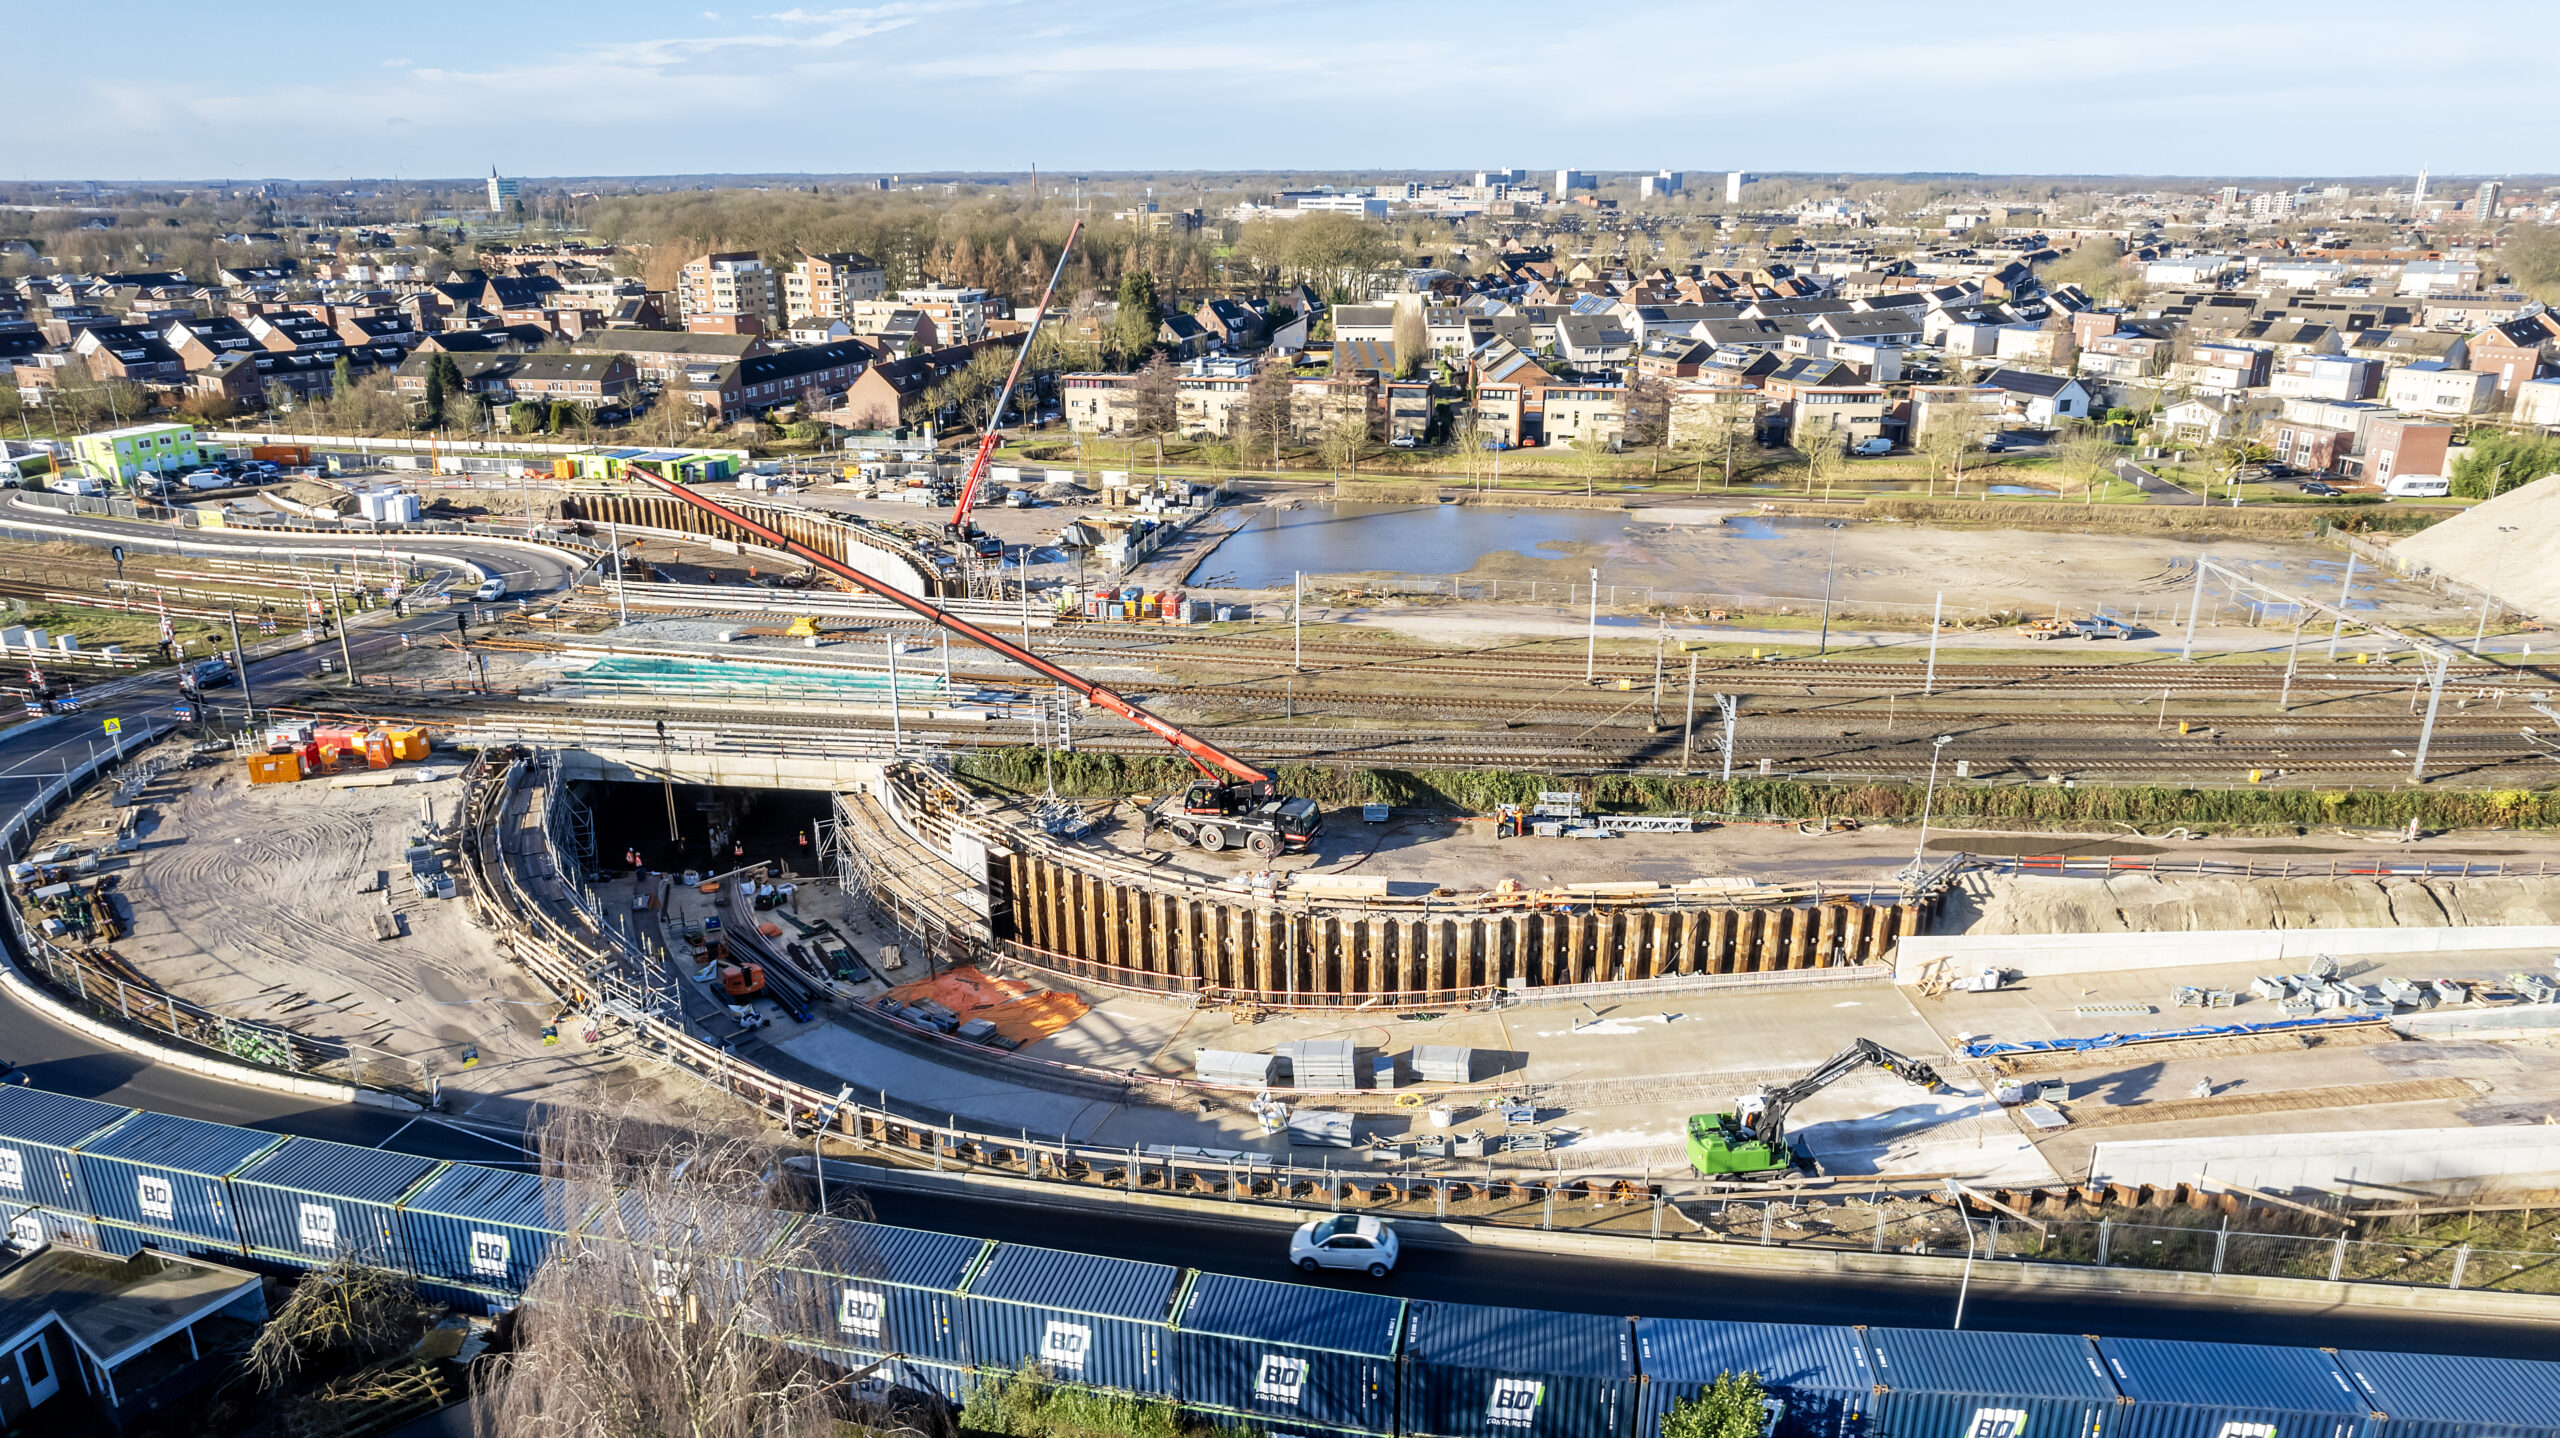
{"x":549,"y":87}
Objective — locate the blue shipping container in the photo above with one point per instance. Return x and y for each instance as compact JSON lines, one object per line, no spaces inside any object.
{"x":38,"y":1131}
{"x":485,"y":1227}
{"x":1816,"y":1379}
{"x":1081,"y":1318}
{"x":1476,"y":1372}
{"x":2422,"y":1396}
{"x":2197,"y":1390}
{"x":705,"y":1249}
{"x":870,"y":1288}
{"x":164,"y":1177}
{"x":1288,"y":1355}
{"x":1938,"y":1383}
{"x":32,"y":1228}
{"x":312,"y":1201}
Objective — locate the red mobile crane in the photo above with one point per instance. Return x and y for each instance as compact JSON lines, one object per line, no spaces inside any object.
{"x":958,"y":529}
{"x":1232,"y":803}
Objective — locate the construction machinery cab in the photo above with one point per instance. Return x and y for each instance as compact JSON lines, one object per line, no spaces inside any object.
{"x":1753,"y":1138}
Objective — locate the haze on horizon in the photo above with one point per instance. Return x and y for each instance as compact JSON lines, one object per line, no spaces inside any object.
{"x":2282,"y":88}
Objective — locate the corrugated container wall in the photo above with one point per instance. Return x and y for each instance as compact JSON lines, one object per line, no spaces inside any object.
{"x":2197,"y":1390}
{"x":1082,"y":1319}
{"x":2422,"y":1396}
{"x":31,"y":1228}
{"x":1817,"y":1379}
{"x":1938,"y":1383}
{"x":679,"y":1249}
{"x":1475,"y":1372}
{"x":1288,"y":1356}
{"x":312,"y":1201}
{"x":163,"y":1177}
{"x":874,"y":1289}
{"x":38,"y":1131}
{"x":486,"y":1228}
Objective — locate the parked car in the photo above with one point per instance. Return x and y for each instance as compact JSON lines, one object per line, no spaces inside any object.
{"x":2314,"y":486}
{"x":2418,"y":486}
{"x":1363,"y":1244}
{"x":205,"y":479}
{"x":1402,"y":441}
{"x":1878,"y":445}
{"x":2100,"y":627}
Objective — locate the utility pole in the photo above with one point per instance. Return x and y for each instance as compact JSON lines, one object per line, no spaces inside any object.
{"x":1297,"y":621}
{"x":1661,"y":635}
{"x":1829,"y":566}
{"x":1731,"y":704}
{"x":2292,"y":651}
{"x":2427,"y":732}
{"x":1935,"y":615}
{"x":2195,"y":602}
{"x":621,"y":603}
{"x":897,"y":740}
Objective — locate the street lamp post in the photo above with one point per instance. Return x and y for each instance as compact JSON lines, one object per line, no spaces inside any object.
{"x":1827,"y":567}
{"x":1929,"y":798}
{"x":2489,"y":597}
{"x":1965,"y":1285}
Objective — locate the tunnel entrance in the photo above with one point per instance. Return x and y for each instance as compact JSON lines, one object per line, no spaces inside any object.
{"x":717,"y":828}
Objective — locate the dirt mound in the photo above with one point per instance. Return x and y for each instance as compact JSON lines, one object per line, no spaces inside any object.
{"x":2503,"y":547}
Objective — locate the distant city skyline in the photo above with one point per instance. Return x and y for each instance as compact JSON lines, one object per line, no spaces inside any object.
{"x":655,"y":88}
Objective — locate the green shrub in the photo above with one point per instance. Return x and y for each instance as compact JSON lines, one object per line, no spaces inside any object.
{"x":1730,"y":1407}
{"x":1027,"y":1403}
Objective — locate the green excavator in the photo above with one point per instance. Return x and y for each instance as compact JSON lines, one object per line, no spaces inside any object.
{"x":1753,"y":1139}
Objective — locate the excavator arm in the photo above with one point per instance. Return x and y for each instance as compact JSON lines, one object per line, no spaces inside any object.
{"x":1865,"y":1053}
{"x":1208,"y":758}
{"x":958,"y":525}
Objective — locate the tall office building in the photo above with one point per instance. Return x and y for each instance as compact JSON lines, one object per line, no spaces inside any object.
{"x":502,"y":192}
{"x":1659,"y":184}
{"x":2418,"y":196}
{"x":2490,"y":193}
{"x":1733,"y":188}
{"x":1568,"y":181}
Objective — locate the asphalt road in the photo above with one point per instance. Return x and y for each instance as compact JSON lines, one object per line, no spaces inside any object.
{"x":1589,"y":1285}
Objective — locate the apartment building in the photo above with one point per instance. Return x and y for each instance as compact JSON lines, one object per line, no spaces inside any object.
{"x":959,"y":314}
{"x":733,"y":285}
{"x":828,"y":286}
{"x":2432,"y":387}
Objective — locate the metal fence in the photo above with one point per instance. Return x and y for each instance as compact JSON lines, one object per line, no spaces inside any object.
{"x":1617,"y":596}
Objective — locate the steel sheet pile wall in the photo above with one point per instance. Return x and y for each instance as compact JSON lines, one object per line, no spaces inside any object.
{"x":1936,"y":1383}
{"x":886,"y":1290}
{"x":1065,"y":915}
{"x":2200,"y":1390}
{"x":2421,"y":1396}
{"x":1288,"y":1356}
{"x":313,"y":1201}
{"x":161,"y":1180}
{"x":1476,"y":1372}
{"x":38,"y":1131}
{"x":1818,"y":1380}
{"x":1280,"y":1357}
{"x":1099,"y":1322}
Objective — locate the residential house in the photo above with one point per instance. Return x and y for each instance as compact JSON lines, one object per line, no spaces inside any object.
{"x":2201,"y":420}
{"x":2537,"y":402}
{"x":2431,"y":387}
{"x":2398,"y":445}
{"x":231,"y":377}
{"x":379,"y":330}
{"x":2465,"y":312}
{"x":1698,"y":405}
{"x":960,"y":314}
{"x":1358,"y":356}
{"x":1365,"y":322}
{"x":1585,"y":416}
{"x":1182,"y":337}
{"x":883,"y":394}
{"x":2513,"y":351}
{"x":2396,"y":347}
{"x":1806,"y":372}
{"x":1892,"y":326}
{"x":2222,"y":368}
{"x":1593,"y":342}
{"x":129,"y":353}
{"x":1238,"y":325}
{"x":2317,"y":448}
{"x":2039,"y":399}
{"x":200,"y":343}
{"x":600,"y":383}
{"x":658,"y":356}
{"x":905,"y":334}
{"x":1673,"y":356}
{"x":1321,"y":404}
{"x":828,"y":286}
{"x":2327,"y":376}
{"x":1979,"y":408}
{"x":1836,"y":414}
{"x":501,"y":293}
{"x":293,"y":332}
{"x":818,"y":377}
{"x":104,"y":1344}
{"x":2042,"y":345}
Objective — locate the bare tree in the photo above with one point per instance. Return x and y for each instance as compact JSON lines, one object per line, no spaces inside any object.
{"x":1824,"y":457}
{"x":1154,"y":401}
{"x":1344,"y":442}
{"x":1945,"y":441}
{"x":1266,"y":409}
{"x":1412,"y":341}
{"x":668,"y":1314}
{"x":1648,"y":404}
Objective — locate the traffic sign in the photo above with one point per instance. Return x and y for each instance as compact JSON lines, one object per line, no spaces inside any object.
{"x":115,"y":726}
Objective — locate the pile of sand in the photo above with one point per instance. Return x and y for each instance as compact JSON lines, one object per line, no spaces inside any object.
{"x":2470,"y":550}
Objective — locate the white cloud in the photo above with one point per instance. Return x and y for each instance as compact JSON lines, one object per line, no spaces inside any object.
{"x":402,"y":63}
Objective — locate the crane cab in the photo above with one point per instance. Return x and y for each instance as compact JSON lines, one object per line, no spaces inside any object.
{"x":1721,"y":1147}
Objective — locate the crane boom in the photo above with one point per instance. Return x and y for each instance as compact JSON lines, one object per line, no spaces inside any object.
{"x":958,"y":525}
{"x":1208,"y":758}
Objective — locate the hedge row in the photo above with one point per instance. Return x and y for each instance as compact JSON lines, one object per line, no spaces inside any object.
{"x":1477,"y":791}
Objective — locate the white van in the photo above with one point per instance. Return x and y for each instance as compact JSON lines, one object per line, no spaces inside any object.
{"x":491,"y":589}
{"x":77,"y":484}
{"x":2418,"y":486}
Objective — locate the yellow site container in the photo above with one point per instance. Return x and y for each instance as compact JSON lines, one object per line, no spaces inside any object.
{"x":275,"y":768}
{"x":407,"y":743}
{"x":563,"y":469}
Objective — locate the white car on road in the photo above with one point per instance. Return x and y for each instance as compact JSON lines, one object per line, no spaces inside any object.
{"x":1365,"y":1245}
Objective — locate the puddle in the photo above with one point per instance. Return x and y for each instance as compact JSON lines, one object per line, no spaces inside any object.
{"x":2023,"y":489}
{"x":1741,"y":526}
{"x":1397,"y":538}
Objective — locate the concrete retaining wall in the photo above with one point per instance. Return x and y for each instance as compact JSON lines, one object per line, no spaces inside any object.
{"x":2040,"y":954}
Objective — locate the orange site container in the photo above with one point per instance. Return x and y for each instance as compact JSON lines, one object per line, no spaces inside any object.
{"x":377,"y":751}
{"x":275,"y":768}
{"x":407,"y":743}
